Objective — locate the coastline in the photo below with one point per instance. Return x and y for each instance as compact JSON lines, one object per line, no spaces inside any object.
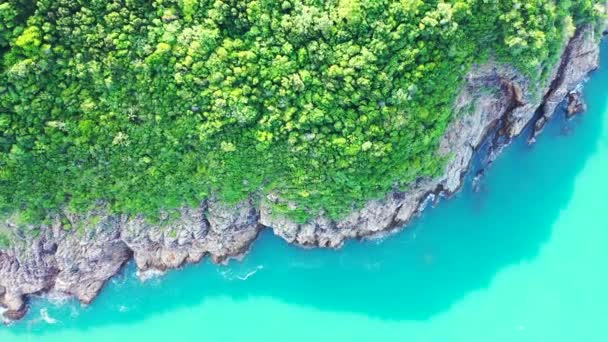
{"x":78,"y":265}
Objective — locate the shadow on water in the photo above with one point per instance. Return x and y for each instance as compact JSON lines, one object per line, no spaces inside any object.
{"x":451,"y":251}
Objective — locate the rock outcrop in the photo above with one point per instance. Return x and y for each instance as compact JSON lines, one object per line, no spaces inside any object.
{"x":76,"y":254}
{"x":211,"y":229}
{"x":76,"y":263}
{"x":579,"y":57}
{"x":576,"y":104}
{"x":496,"y":98}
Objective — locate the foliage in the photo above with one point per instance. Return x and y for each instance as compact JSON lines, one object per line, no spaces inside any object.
{"x":150,"y":104}
{"x":5,"y":242}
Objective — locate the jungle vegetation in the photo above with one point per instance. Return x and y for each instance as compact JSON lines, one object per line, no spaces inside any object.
{"x":152,"y":104}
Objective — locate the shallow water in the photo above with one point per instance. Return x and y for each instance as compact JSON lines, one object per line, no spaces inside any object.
{"x":522,"y":260}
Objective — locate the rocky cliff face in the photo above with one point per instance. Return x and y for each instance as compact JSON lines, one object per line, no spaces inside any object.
{"x":496,"y":98}
{"x":77,"y":263}
{"x":496,"y":103}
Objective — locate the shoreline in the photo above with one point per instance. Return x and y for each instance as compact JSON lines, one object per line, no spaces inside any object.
{"x":79,"y":265}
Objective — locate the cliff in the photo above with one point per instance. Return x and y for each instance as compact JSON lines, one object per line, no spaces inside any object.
{"x":495,"y":105}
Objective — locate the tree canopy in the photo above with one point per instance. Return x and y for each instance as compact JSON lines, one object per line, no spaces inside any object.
{"x":152,"y":104}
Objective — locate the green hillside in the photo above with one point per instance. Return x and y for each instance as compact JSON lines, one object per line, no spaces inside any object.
{"x":150,"y":104}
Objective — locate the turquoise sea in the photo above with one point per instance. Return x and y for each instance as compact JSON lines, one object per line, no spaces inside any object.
{"x":524,"y":259}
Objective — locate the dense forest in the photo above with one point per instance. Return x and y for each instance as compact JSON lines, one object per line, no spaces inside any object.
{"x":152,"y":104}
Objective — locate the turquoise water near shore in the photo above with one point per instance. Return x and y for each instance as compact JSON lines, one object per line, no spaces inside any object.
{"x":524,"y":259}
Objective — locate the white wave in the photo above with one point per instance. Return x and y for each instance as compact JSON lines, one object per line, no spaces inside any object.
{"x":123,"y":308}
{"x":149,"y":274}
{"x":44,"y":315}
{"x":74,"y":311}
{"x":57,"y":298}
{"x":430,"y":199}
{"x":3,"y":319}
{"x":250,"y":273}
{"x":118,"y":280}
{"x":229,"y":274}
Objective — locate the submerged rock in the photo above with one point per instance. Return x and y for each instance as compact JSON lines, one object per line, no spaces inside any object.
{"x":478,"y":180}
{"x":77,"y":259}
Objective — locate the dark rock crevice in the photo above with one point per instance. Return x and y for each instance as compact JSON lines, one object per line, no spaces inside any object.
{"x":582,"y":49}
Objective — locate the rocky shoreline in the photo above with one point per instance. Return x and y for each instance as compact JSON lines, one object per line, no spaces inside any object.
{"x":495,"y":105}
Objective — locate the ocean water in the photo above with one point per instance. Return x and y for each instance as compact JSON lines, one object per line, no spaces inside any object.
{"x":524,"y":259}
